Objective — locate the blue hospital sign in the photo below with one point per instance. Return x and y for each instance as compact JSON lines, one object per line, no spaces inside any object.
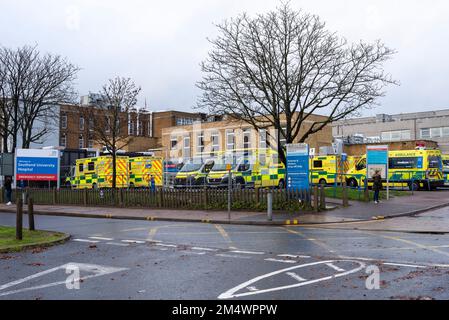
{"x":37,"y":164}
{"x":297,"y":166}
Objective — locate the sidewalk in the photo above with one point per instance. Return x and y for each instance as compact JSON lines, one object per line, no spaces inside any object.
{"x":356,"y":212}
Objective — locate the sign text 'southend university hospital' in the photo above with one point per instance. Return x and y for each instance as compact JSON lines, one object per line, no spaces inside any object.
{"x":37,"y":165}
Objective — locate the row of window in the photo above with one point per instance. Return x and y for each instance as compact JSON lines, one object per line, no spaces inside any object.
{"x":215,"y":145}
{"x":434,"y":132}
{"x":425,"y":133}
{"x":134,"y":127}
{"x":81,"y":142}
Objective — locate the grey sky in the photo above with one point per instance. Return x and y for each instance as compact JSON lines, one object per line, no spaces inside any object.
{"x":161,"y":43}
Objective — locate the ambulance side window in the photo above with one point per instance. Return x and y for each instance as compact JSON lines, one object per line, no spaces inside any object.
{"x":91,"y":166}
{"x":317,"y":163}
{"x":244,"y":167}
{"x":361,"y":165}
{"x":80,"y":167}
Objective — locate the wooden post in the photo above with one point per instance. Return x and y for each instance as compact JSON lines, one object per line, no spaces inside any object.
{"x":30,"y":213}
{"x":85,"y":197}
{"x":366,"y":193}
{"x":122,"y":204}
{"x":322,"y":198}
{"x":315,"y":198}
{"x":19,"y":218}
{"x":54,"y":196}
{"x":161,"y":197}
{"x":2,"y":195}
{"x":345,"y":194}
{"x":205,"y":197}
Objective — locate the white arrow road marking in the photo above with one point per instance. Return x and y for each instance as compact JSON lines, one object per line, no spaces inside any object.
{"x":98,"y":271}
{"x":231,"y":293}
{"x":251,"y":288}
{"x":333,"y":266}
{"x":296,"y":277}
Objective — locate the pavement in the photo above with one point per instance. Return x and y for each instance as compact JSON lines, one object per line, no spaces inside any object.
{"x":357,"y":211}
{"x":125,"y":259}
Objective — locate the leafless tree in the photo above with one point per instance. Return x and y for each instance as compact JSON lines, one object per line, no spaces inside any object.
{"x":277,"y":69}
{"x":120,"y":95}
{"x":32,"y":86}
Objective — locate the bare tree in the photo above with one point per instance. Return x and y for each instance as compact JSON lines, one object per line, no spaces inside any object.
{"x":32,"y":85}
{"x":120,"y":95}
{"x":279,"y":68}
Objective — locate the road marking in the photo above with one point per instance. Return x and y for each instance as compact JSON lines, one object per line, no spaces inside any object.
{"x":86,"y":240}
{"x":247,"y":252}
{"x":155,"y":241}
{"x":101,"y":238}
{"x":279,"y":260}
{"x":97,"y":270}
{"x":333,"y":266}
{"x":296,"y":277}
{"x":203,"y":249}
{"x":152,"y":233}
{"x":197,"y":253}
{"x":231,"y":256}
{"x":408,"y":242}
{"x":232,"y":293}
{"x":224,"y":234}
{"x":319,"y":243}
{"x":166,"y":245}
{"x":293,"y":256}
{"x":404,"y":265}
{"x":133,"y":241}
{"x":117,"y":244}
{"x":251,"y":288}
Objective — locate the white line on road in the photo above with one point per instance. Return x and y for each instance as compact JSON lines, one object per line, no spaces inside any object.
{"x":403,"y":265}
{"x":252,"y":288}
{"x":279,"y":260}
{"x":333,"y":266}
{"x":166,"y":245}
{"x":86,"y":240}
{"x":204,"y":249}
{"x":247,"y":252}
{"x":231,"y":256}
{"x":296,"y":277}
{"x":117,"y":244}
{"x":101,"y":238}
{"x":292,"y":256}
{"x":133,"y":241}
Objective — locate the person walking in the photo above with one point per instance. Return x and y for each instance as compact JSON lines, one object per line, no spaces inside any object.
{"x":377,"y":185}
{"x":152,"y":184}
{"x":8,"y":189}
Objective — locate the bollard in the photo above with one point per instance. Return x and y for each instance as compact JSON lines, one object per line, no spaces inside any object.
{"x":315,"y":198}
{"x":366,"y":194}
{"x":270,"y":206}
{"x":345,"y":195}
{"x":322,"y":198}
{"x":30,"y":214}
{"x":229,"y":194}
{"x":19,"y":219}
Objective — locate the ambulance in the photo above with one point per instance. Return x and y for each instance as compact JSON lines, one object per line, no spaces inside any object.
{"x":445,"y":158}
{"x":325,"y":169}
{"x":194,"y":173}
{"x":96,"y":172}
{"x":415,"y":169}
{"x":141,"y":169}
{"x":249,"y":168}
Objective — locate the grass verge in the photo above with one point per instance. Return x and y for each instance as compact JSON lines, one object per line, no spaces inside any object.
{"x":356,"y":195}
{"x":8,"y":242}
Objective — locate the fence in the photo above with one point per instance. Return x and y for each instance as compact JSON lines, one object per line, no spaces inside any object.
{"x":167,"y":198}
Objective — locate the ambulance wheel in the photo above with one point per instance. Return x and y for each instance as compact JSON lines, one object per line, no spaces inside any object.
{"x":323,"y":182}
{"x":239,"y":183}
{"x":413,"y":186}
{"x":352,"y":183}
{"x":281,"y":184}
{"x":94,"y":186}
{"x":131,"y":185}
{"x":68,"y":185}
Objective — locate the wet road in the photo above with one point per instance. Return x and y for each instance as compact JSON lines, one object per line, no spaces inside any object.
{"x":119,"y":259}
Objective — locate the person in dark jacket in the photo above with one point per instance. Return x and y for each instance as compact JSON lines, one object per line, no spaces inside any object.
{"x":8,"y":189}
{"x":377,"y":185}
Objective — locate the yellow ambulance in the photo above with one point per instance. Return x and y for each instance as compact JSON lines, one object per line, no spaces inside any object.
{"x":142,"y":168}
{"x":92,"y":173}
{"x":194,"y":173}
{"x":445,"y":158}
{"x":249,"y":168}
{"x":415,"y":169}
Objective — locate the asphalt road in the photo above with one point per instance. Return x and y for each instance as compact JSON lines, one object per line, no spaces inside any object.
{"x":118,"y":259}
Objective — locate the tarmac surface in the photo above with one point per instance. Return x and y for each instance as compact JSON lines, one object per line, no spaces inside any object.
{"x":123,"y":259}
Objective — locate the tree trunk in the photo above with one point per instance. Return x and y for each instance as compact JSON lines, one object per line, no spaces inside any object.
{"x":114,"y":170}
